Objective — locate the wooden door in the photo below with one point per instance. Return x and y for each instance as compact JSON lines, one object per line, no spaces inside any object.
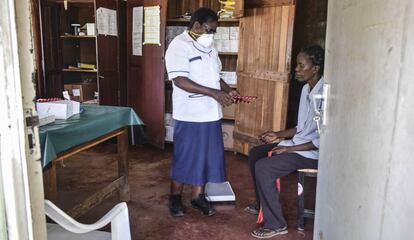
{"x":108,"y":57}
{"x":263,"y":69}
{"x":145,"y":77}
{"x":52,"y":81}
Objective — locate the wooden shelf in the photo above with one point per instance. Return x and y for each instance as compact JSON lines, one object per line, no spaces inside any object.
{"x":183,"y":20}
{"x":80,"y":70}
{"x":77,"y":37}
{"x":228,"y":53}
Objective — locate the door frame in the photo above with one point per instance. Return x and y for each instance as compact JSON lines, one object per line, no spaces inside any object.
{"x":20,"y":169}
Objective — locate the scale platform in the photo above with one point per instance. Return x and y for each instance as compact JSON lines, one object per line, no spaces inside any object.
{"x":219,"y":192}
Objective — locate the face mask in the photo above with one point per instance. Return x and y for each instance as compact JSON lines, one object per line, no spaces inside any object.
{"x":206,"y":40}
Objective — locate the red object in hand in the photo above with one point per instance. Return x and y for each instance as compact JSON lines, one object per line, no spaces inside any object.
{"x":244,"y":99}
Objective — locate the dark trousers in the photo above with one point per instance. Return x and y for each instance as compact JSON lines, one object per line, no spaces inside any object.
{"x":265,"y":170}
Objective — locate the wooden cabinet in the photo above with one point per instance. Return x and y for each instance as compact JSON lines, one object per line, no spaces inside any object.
{"x":64,"y":50}
{"x":263,"y":69}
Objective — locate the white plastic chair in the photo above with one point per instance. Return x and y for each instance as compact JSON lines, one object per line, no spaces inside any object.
{"x":118,"y":217}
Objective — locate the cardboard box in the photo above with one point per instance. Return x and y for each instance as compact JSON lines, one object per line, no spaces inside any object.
{"x":81,"y":92}
{"x":234,"y":33}
{"x":229,"y":112}
{"x":63,"y":109}
{"x":228,"y":129}
{"x":222,"y":45}
{"x":222,"y":33}
{"x":229,"y":77}
{"x":233,"y":46}
{"x":90,"y":29}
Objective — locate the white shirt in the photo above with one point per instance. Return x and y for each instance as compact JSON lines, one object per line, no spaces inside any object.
{"x":186,"y":58}
{"x":306,"y":130}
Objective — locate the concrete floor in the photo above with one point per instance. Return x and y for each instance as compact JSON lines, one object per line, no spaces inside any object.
{"x":149,"y":180}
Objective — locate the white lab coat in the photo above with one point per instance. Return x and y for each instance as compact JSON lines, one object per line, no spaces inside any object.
{"x":186,"y":58}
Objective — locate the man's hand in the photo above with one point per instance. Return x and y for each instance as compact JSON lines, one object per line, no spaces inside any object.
{"x":268,"y":137}
{"x":225,"y":99}
{"x":280,"y":150}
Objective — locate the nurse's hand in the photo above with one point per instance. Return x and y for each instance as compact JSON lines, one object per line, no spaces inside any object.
{"x":234,"y":93}
{"x":223,"y":98}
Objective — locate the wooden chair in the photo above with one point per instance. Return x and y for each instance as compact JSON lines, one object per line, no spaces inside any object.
{"x":302,"y":212}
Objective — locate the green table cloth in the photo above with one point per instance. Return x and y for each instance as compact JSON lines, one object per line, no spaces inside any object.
{"x":94,"y":121}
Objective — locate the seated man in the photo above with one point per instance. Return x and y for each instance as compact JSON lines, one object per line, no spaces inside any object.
{"x":301,"y":151}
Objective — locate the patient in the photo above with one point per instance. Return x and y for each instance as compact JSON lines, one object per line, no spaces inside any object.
{"x":300,"y":151}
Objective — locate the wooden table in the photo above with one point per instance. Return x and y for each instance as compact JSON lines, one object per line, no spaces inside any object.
{"x":94,"y":125}
{"x":121,"y":183}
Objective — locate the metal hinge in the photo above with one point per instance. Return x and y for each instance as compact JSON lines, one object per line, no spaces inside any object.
{"x":31,"y":123}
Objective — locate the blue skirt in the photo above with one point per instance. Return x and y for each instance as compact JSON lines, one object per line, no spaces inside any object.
{"x":198,"y":153}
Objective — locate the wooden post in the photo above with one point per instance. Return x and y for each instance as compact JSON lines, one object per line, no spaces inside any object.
{"x":123,"y":165}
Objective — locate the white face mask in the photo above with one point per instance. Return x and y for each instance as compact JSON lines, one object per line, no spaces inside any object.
{"x":206,"y":40}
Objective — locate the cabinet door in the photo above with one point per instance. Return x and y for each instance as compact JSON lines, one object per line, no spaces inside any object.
{"x":263,"y":70}
{"x":145,"y":80}
{"x":108,"y":57}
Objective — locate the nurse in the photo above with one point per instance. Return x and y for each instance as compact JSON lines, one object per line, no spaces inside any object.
{"x":198,"y":96}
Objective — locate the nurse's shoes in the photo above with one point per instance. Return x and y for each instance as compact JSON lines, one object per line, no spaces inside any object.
{"x":203,"y":205}
{"x":176,"y":206}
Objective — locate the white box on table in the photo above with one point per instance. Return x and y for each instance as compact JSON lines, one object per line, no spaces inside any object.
{"x":63,"y":109}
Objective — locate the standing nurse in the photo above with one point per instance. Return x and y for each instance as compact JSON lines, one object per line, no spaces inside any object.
{"x":198,"y":94}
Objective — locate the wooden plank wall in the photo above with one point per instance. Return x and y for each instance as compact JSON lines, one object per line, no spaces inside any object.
{"x":263,"y":70}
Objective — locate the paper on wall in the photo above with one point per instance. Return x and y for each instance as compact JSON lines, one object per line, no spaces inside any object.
{"x":106,"y":21}
{"x":152,"y":24}
{"x":137,"y":29}
{"x":76,"y":92}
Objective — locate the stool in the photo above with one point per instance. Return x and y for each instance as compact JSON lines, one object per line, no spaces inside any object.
{"x":302,"y":212}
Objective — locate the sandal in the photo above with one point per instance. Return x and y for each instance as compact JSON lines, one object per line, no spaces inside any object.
{"x":263,"y":233}
{"x":252,"y":209}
